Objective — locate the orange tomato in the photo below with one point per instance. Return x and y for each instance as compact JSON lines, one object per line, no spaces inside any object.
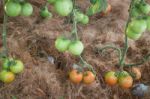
{"x":107,"y":11}
{"x":137,"y":73}
{"x":125,"y":81}
{"x":88,"y":77}
{"x":75,"y":76}
{"x":110,"y":78}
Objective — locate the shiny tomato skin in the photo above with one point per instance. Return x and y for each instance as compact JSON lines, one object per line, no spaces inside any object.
{"x":133,"y":35}
{"x":75,"y":76}
{"x":12,"y":9}
{"x":17,"y":67}
{"x":125,"y":82}
{"x":88,"y":77}
{"x":145,"y":8}
{"x":6,"y":76}
{"x":63,"y":7}
{"x":110,"y":78}
{"x":62,"y":44}
{"x":85,"y":20}
{"x":76,"y":48}
{"x":138,"y":26}
{"x":27,"y":9}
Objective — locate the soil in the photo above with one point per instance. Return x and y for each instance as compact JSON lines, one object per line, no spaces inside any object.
{"x":31,"y":39}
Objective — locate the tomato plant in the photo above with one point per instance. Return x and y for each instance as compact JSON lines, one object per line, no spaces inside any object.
{"x":88,"y":77}
{"x":63,"y":7}
{"x":27,"y":9}
{"x":62,"y":44}
{"x":75,"y":76}
{"x":12,"y":9}
{"x":110,"y":78}
{"x":6,"y":76}
{"x":76,"y":47}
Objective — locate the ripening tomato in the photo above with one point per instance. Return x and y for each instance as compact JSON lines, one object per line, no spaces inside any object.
{"x":133,"y":35}
{"x":79,"y":16}
{"x":110,"y":78}
{"x":107,"y":11}
{"x":63,"y":7}
{"x":17,"y":66}
{"x":27,"y":9}
{"x":12,"y":9}
{"x":148,"y":23}
{"x":137,"y":73}
{"x":145,"y":8}
{"x":88,"y":77}
{"x":6,"y":76}
{"x":125,"y":81}
{"x":85,"y":20}
{"x":62,"y":44}
{"x":138,"y":26}
{"x":75,"y":76}
{"x":45,"y":13}
{"x":76,"y":47}
{"x":51,"y":1}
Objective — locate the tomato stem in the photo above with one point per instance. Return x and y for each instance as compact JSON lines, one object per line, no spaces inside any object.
{"x":111,"y":47}
{"x":4,"y":33}
{"x":143,"y":60}
{"x":75,"y":31}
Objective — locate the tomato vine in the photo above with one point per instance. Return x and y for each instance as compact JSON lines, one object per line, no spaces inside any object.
{"x":122,"y":52}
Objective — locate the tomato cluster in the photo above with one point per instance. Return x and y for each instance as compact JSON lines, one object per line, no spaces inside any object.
{"x":76,"y":77}
{"x":10,"y":67}
{"x":15,"y":8}
{"x":81,"y":18}
{"x":124,"y":79}
{"x":74,"y":47}
{"x":140,"y":21}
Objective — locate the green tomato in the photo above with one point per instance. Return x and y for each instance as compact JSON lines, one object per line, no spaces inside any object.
{"x":63,"y":7}
{"x":62,"y":44}
{"x":6,"y":76}
{"x":148,"y":23}
{"x":138,"y":26}
{"x":85,"y":20}
{"x":51,"y":1}
{"x":145,"y":8}
{"x":45,"y":13}
{"x":12,"y":9}
{"x":133,"y":35}
{"x":17,"y":67}
{"x":76,"y":48}
{"x":7,"y":63}
{"x":27,"y":9}
{"x":135,"y":12}
{"x":79,"y":16}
